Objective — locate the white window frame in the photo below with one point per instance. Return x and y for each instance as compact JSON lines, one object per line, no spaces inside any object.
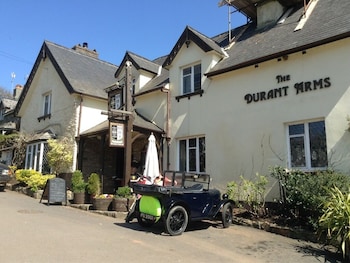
{"x":35,"y":156}
{"x":191,"y":75}
{"x":306,"y":141}
{"x":47,"y":101}
{"x":187,"y":153}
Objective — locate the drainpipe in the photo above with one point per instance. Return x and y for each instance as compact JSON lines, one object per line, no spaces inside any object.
{"x":79,"y":148}
{"x":167,"y":129}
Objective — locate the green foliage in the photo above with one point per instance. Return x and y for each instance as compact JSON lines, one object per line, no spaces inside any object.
{"x":123,"y":192}
{"x":252,"y":193}
{"x":60,"y":154}
{"x":94,"y":184}
{"x":303,"y":193}
{"x":336,"y":218}
{"x":35,"y":180}
{"x":78,"y":183}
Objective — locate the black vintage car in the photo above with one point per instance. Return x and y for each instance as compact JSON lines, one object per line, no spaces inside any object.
{"x":182,"y":197}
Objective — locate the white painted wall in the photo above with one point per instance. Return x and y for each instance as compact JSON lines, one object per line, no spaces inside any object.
{"x":245,"y":139}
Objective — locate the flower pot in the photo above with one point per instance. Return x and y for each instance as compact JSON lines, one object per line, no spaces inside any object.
{"x":79,"y":198}
{"x":121,"y":204}
{"x":101,"y":204}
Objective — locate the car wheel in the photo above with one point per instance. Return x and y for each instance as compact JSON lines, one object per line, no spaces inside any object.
{"x":176,"y":221}
{"x":227,"y":215}
{"x":145,"y":222}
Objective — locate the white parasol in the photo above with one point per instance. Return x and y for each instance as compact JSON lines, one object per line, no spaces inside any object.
{"x":152,"y":164}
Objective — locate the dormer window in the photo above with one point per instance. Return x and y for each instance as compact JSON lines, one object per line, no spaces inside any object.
{"x":191,"y":79}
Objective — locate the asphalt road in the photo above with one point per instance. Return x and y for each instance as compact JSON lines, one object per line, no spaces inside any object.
{"x":35,"y":232}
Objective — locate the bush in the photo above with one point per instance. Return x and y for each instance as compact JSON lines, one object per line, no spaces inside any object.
{"x":252,"y":193}
{"x":78,"y":183}
{"x":94,"y":184}
{"x":123,"y":192}
{"x":33,"y":179}
{"x":335,"y":218}
{"x":304,"y":193}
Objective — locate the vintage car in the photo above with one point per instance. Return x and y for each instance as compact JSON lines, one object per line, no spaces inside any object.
{"x":182,"y":197}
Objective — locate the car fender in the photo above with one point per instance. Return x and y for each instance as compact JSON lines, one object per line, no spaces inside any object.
{"x":221,"y":205}
{"x":176,"y":203}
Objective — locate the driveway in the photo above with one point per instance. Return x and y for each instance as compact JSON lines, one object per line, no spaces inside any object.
{"x":36,"y":232}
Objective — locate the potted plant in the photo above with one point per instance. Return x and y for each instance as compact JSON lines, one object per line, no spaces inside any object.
{"x":78,"y":187}
{"x":121,"y":201}
{"x":93,"y":185}
{"x":102,"y":202}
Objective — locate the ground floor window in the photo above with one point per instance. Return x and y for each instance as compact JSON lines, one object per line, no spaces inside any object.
{"x":307,"y":145}
{"x":192,"y":154}
{"x":36,"y":157}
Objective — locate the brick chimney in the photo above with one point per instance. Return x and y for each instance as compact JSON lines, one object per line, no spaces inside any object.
{"x":17,"y":91}
{"x":85,"y":50}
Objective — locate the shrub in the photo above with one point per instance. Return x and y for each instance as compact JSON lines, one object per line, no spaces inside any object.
{"x":33,"y":179}
{"x":78,"y":183}
{"x":94,"y":184}
{"x":304,"y":193}
{"x":252,"y":193}
{"x":123,"y":192}
{"x":335,"y":218}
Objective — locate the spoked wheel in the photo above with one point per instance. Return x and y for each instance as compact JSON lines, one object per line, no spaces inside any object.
{"x":176,"y":221}
{"x":227,"y":215}
{"x":145,"y":222}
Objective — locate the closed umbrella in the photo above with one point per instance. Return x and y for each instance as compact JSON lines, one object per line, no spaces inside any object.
{"x":152,"y":164}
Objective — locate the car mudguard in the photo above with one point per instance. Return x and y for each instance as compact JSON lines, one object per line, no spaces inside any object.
{"x":150,"y":205}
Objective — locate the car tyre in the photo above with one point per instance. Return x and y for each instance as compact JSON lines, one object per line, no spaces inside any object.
{"x":227,"y":215}
{"x":176,"y":221}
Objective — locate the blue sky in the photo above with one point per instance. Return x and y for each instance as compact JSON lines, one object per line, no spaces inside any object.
{"x":112,"y":27}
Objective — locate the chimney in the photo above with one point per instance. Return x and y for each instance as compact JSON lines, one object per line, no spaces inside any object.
{"x":85,"y":50}
{"x":268,"y":12}
{"x":17,"y":91}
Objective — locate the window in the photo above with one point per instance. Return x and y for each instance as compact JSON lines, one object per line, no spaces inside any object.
{"x":191,"y":79}
{"x":47,"y":104}
{"x":192,"y":154}
{"x":36,"y":157}
{"x":307,"y":145}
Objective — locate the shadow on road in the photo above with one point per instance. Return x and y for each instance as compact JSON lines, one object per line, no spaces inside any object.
{"x":158,"y":228}
{"x":329,"y":254}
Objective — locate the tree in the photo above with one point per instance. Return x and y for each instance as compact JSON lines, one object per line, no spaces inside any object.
{"x":60,"y":155}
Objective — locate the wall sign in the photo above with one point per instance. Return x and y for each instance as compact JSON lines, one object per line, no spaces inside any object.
{"x":116,"y":134}
{"x":299,"y":87}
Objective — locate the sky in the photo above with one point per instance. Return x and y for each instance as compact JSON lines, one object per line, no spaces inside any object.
{"x":112,"y":27}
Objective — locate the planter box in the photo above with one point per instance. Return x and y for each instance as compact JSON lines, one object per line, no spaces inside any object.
{"x":101,"y":204}
{"x":79,"y":198}
{"x":121,"y":204}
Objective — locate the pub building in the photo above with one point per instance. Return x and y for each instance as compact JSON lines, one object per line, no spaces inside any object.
{"x":272,"y":92}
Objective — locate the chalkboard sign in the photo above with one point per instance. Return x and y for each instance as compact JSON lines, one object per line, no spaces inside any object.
{"x":55,"y":191}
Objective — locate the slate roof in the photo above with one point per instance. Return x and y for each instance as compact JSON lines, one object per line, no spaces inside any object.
{"x":8,"y":104}
{"x":80,"y":73}
{"x":189,"y":34}
{"x":138,"y":62}
{"x":329,"y":21}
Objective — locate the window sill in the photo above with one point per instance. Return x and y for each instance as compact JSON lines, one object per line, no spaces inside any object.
{"x":47,"y":116}
{"x":189,"y":95}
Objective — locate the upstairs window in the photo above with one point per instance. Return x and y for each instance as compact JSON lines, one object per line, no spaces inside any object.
{"x":191,"y":79}
{"x":47,"y":104}
{"x":307,"y":145}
